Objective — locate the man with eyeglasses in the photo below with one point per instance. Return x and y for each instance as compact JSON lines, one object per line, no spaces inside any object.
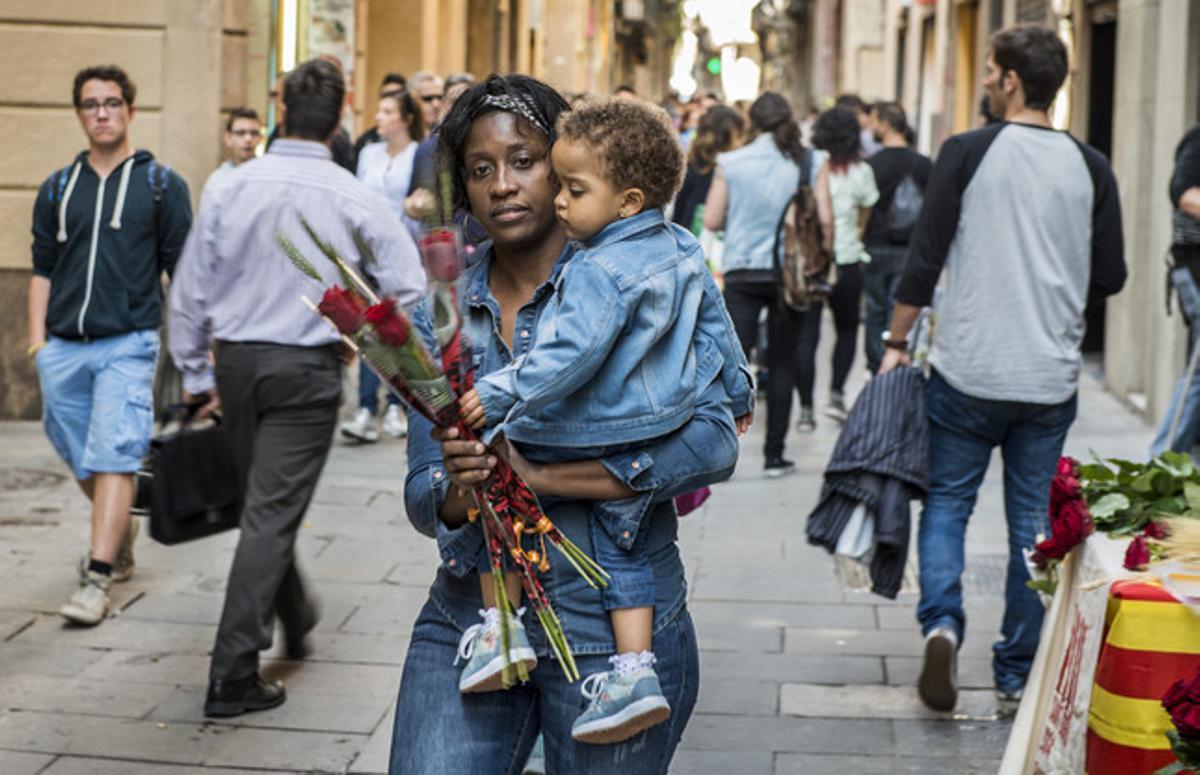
{"x":428,"y":89}
{"x":105,"y":228}
{"x":243,"y":133}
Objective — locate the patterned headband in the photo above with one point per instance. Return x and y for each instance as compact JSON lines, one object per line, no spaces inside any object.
{"x":518,"y":105}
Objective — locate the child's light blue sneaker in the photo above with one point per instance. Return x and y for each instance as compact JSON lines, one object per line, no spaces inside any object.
{"x":624,"y":701}
{"x":480,"y":646}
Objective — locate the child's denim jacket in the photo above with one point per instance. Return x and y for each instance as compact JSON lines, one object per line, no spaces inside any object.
{"x":639,"y":331}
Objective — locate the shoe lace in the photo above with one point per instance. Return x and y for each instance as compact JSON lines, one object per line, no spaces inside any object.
{"x":593,"y":685}
{"x":466,"y":646}
{"x":470,"y":636}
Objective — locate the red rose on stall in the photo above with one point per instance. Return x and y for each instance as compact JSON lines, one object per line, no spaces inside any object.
{"x":1064,"y":487}
{"x":391,"y":328}
{"x":1068,"y":527}
{"x":344,"y":308}
{"x":1137,"y":556}
{"x":439,"y":253}
{"x":1156,"y":530}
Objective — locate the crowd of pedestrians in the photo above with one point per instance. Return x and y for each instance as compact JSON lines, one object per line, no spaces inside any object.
{"x":591,"y":220}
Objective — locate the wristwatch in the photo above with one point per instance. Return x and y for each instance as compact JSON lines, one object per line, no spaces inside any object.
{"x":894,"y":344}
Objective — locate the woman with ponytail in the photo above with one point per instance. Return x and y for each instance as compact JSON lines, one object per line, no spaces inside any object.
{"x":750,"y":190}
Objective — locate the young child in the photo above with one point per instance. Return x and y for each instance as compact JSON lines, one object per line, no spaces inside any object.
{"x":640,"y":330}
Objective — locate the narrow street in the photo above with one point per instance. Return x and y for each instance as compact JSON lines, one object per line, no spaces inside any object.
{"x":802,"y":671}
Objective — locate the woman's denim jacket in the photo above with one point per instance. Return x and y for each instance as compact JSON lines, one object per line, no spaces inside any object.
{"x":701,"y":452}
{"x":638,"y":331}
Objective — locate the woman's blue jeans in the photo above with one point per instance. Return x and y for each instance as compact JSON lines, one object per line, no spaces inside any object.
{"x":963,"y":431}
{"x":439,"y":731}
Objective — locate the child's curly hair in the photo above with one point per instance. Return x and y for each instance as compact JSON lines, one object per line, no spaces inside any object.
{"x":635,"y":142}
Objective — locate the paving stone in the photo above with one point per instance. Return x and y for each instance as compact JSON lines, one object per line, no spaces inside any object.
{"x":13,"y":622}
{"x":387,"y":614}
{"x":149,"y":667}
{"x":776,"y":582}
{"x":973,"y":672}
{"x":884,"y":643}
{"x":334,"y":678}
{"x":374,"y":757}
{"x":720,"y":763}
{"x":713,"y":732}
{"x":105,"y":737}
{"x":965,"y":740}
{"x":770,"y":615}
{"x":73,"y":765}
{"x":351,"y":649}
{"x":794,"y":668}
{"x":121,"y":633}
{"x":983,"y":618}
{"x":358,"y":561}
{"x":49,"y":694}
{"x":734,"y":696}
{"x":810,"y":764}
{"x":16,"y":763}
{"x":816,"y":701}
{"x":284,"y":750}
{"x":18,"y":656}
{"x":304,"y":710}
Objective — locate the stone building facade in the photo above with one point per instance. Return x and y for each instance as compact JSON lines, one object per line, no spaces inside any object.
{"x":194,"y":60}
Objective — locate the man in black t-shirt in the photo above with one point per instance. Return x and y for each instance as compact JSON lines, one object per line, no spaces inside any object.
{"x":901,"y":175}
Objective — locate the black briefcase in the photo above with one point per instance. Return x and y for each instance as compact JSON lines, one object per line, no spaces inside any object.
{"x":188,"y":483}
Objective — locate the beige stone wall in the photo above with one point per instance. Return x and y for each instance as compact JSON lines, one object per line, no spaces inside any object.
{"x":189,"y":60}
{"x":1156,"y":102}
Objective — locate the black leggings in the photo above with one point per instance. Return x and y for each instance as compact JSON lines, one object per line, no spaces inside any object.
{"x":845,"y":303}
{"x":745,"y":299}
{"x":807,"y":339}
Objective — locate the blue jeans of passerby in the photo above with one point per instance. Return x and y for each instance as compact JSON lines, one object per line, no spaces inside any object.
{"x":879,"y":284}
{"x":368,"y":390}
{"x":1188,"y":431}
{"x":439,"y":731}
{"x":963,"y":431}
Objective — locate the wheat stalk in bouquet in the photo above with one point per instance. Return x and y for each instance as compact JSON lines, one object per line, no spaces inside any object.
{"x":383,"y":337}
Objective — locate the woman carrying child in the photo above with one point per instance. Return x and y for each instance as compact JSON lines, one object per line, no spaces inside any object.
{"x":496,"y":143}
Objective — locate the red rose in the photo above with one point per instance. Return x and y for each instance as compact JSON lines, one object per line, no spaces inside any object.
{"x":439,"y":252}
{"x":1064,"y":487}
{"x":1137,"y":556}
{"x":344,"y":308}
{"x":1069,"y":526}
{"x":391,"y":327}
{"x":1176,"y":694}
{"x":1186,"y":719}
{"x":1156,"y":530}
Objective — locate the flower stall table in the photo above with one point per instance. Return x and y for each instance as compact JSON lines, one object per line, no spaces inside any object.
{"x":1107,"y":654}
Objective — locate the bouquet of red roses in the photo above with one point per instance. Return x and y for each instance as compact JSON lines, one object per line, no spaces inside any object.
{"x":514,"y":525}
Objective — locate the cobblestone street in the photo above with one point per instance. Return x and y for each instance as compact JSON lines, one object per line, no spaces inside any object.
{"x":802,"y":672}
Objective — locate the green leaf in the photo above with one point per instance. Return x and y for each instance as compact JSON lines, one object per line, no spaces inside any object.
{"x":1109,"y":505}
{"x":1178,"y":463}
{"x":1171,"y":506}
{"x":1191,"y":491}
{"x":1045,"y":586}
{"x":1096,"y":472}
{"x":364,"y":248}
{"x":1144,"y":483}
{"x":1166,"y":483}
{"x":1170,"y":769}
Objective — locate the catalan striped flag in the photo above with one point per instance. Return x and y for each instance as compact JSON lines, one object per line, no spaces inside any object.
{"x":1150,"y":642}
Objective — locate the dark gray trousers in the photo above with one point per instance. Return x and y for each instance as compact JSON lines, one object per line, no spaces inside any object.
{"x":280,"y":405}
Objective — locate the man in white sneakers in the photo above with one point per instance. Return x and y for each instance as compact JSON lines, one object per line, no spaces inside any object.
{"x":105,"y":228}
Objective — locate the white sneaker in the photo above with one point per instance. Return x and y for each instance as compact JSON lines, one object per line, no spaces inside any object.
{"x":361,"y":428}
{"x":89,"y":604}
{"x":395,"y":423}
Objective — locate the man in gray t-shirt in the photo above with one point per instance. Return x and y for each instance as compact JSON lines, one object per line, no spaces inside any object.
{"x":1026,"y":222}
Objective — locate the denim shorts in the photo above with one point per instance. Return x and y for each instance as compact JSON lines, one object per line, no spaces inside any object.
{"x":97,"y":400}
